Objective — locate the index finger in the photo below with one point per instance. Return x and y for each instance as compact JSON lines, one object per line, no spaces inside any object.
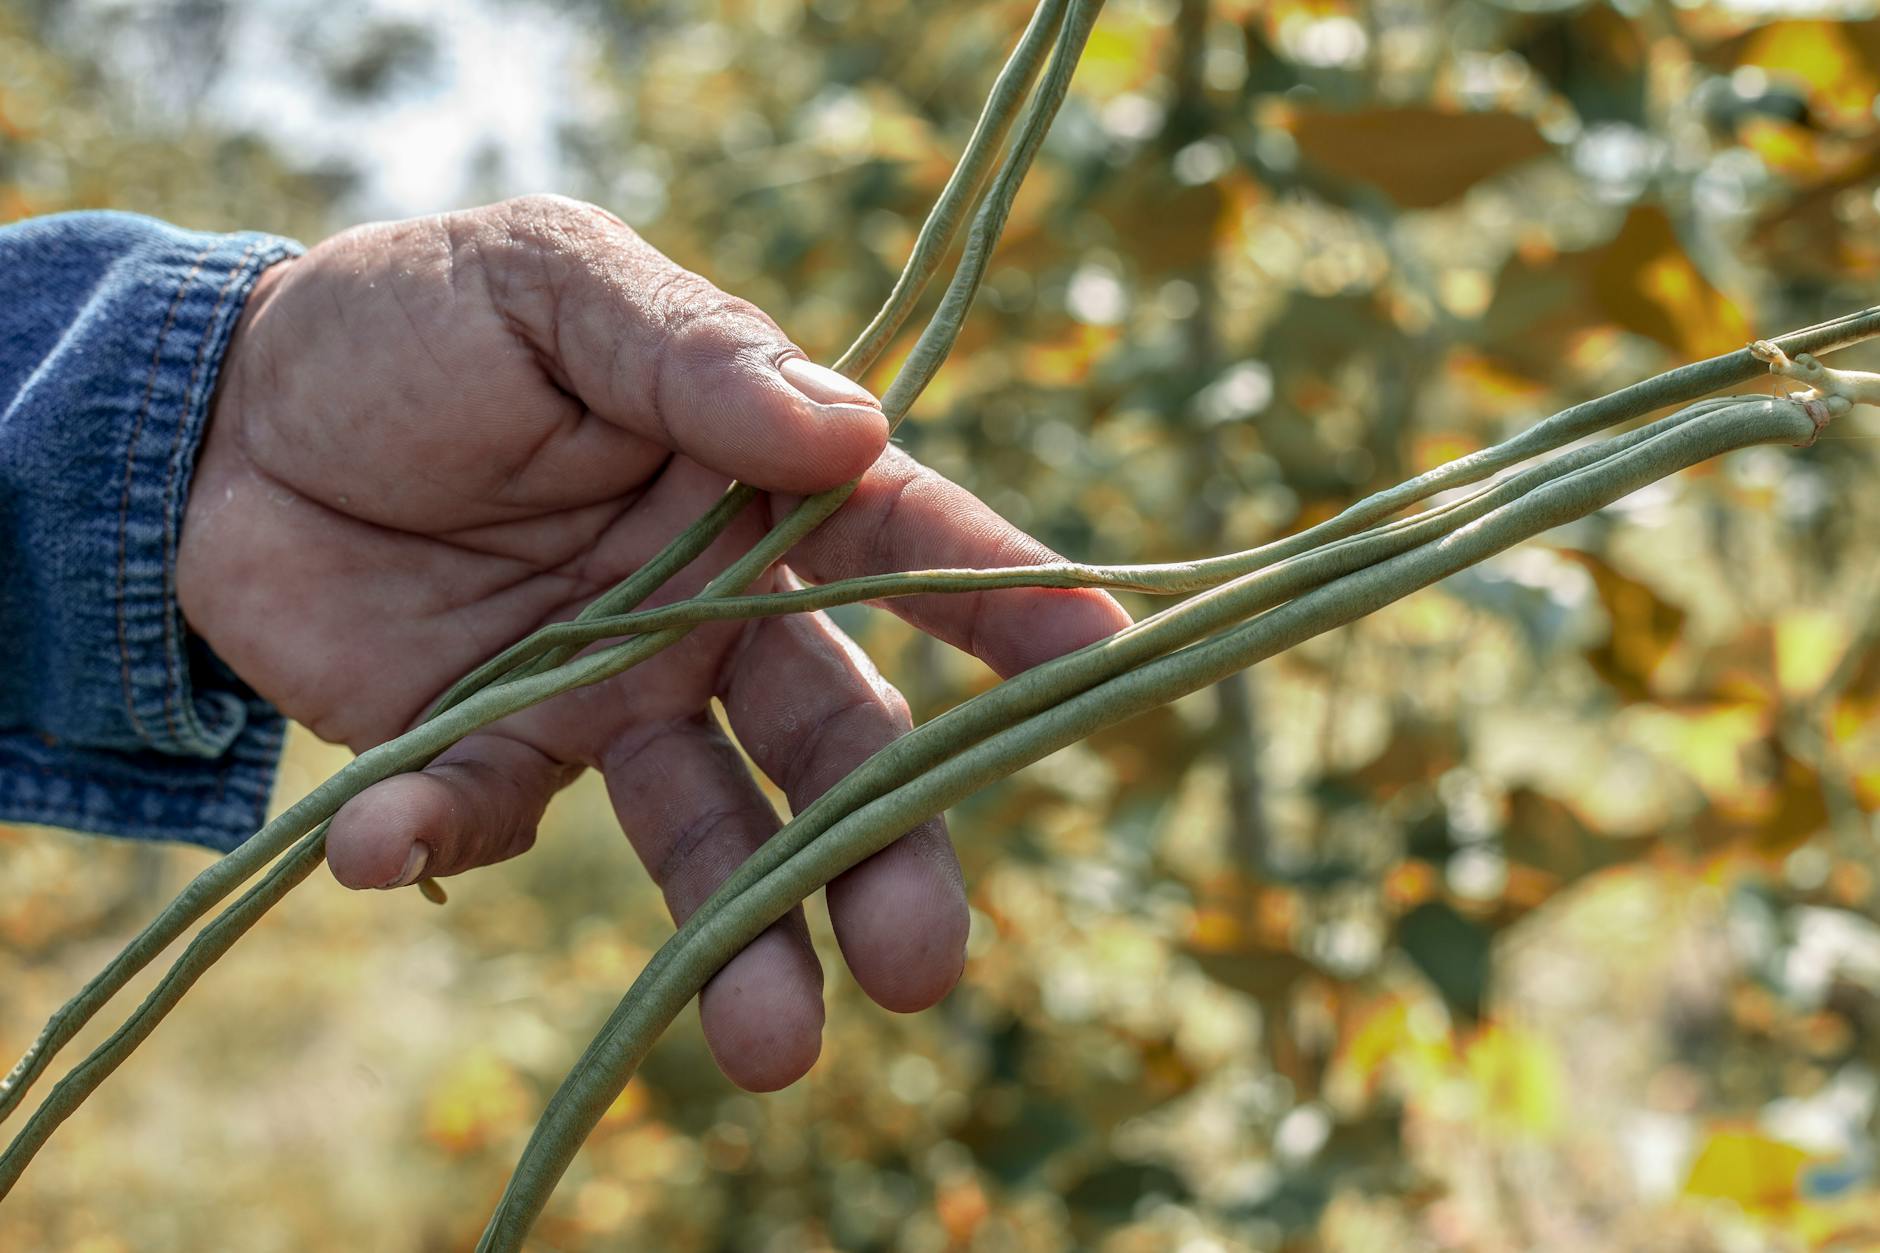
{"x":904,"y":516}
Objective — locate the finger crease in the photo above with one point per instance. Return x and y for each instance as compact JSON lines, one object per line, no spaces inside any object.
{"x":694,"y":836}
{"x":674,"y":318}
{"x":806,"y":749}
{"x":882,"y":555}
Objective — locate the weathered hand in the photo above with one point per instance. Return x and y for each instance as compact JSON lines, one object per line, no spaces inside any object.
{"x":434,"y":436}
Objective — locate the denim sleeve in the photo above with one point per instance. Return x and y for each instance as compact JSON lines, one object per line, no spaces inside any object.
{"x":113,"y":717}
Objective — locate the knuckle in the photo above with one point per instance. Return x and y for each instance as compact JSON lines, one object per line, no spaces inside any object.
{"x":700,"y":329}
{"x":702,"y":854}
{"x":902,"y":475}
{"x":900,"y":713}
{"x":677,"y":299}
{"x":541,"y":226}
{"x":823,"y":751}
{"x":701,"y":320}
{"x":544,"y":209}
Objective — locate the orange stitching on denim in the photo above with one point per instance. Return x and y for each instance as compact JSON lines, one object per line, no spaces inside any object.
{"x":170,"y":540}
{"x":124,"y":504}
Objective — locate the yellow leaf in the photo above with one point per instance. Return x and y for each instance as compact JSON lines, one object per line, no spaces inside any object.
{"x":961,"y":1206}
{"x":1491,"y":384}
{"x":1065,"y":360}
{"x":1430,"y":451}
{"x":1793,"y":151}
{"x":895,"y":131}
{"x":1376,"y":1039}
{"x":1409,"y":884}
{"x":1710,"y":744}
{"x":1645,"y":628}
{"x":1808,"y":645}
{"x":1643,"y":281}
{"x":1419,"y":157}
{"x":1818,"y":57}
{"x":1125,"y":52}
{"x":1518,"y":1080}
{"x":1761,"y":1175}
{"x":627,"y":1109}
{"x":1397,"y":1037}
{"x":1216,"y":929}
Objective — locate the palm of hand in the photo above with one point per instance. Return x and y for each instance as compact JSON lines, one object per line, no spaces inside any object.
{"x":433,"y":437}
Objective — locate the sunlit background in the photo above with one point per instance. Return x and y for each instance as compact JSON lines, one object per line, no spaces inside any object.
{"x":1536,"y":912}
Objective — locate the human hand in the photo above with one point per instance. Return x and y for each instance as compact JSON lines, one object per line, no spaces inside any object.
{"x":431,"y":437}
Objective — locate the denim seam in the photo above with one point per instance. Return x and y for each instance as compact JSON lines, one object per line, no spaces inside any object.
{"x":171,"y":683}
{"x":124,"y":506}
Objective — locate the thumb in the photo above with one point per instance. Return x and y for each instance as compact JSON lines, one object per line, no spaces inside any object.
{"x":656,"y":350}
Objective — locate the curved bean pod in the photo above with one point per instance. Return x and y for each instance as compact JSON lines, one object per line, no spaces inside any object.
{"x":1676,"y":386}
{"x":653,"y":1002}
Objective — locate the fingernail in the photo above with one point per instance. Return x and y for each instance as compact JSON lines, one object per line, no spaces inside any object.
{"x":414,"y":866}
{"x":825,"y":386}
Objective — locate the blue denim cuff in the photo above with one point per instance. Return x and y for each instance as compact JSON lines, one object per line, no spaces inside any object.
{"x":144,"y":796}
{"x":113,"y":717}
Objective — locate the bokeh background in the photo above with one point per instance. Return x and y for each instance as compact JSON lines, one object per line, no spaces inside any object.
{"x":1536,"y":912}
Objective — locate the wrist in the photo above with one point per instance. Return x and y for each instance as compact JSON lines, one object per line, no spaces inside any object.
{"x":203,"y":589}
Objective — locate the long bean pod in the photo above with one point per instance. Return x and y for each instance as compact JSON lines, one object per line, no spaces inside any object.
{"x":653,"y":1002}
{"x":218,"y":880}
{"x":1064,"y":677}
{"x":398,"y":755}
{"x":1178,"y":578}
{"x":1673,"y":387}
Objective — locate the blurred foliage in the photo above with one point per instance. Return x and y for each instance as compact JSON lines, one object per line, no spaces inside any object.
{"x":1537,"y":912}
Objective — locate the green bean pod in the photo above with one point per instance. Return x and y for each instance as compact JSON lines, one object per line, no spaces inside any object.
{"x":1676,"y":386}
{"x":654,"y":1001}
